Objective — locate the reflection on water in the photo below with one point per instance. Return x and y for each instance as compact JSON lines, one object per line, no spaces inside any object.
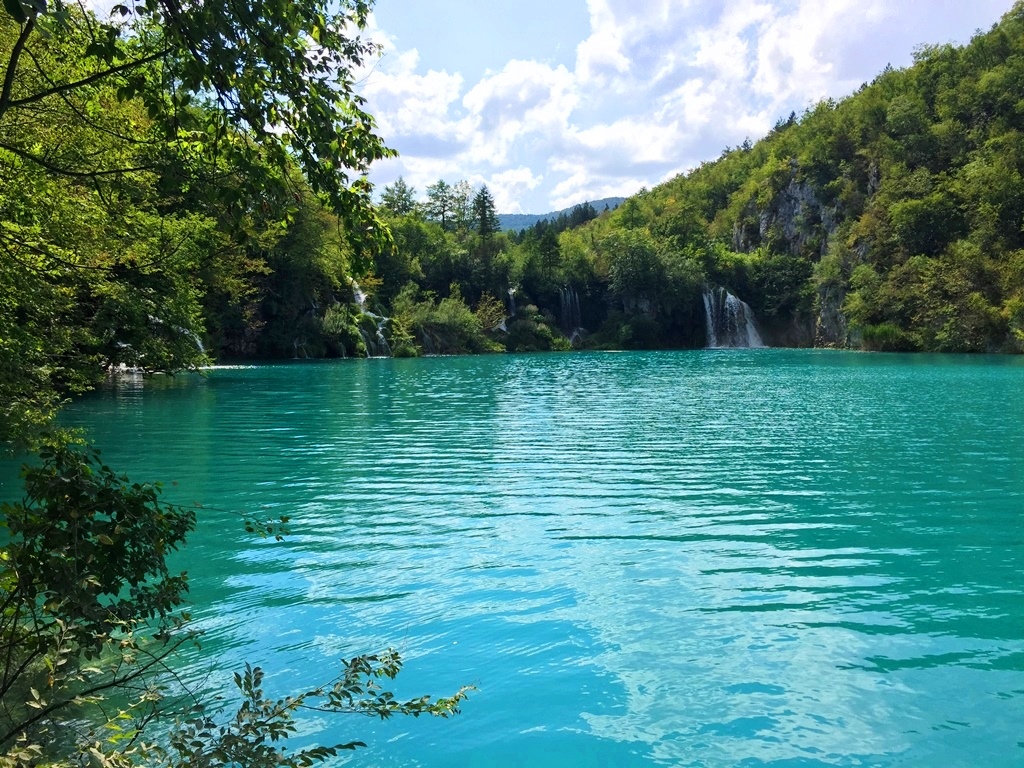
{"x":712,"y":558}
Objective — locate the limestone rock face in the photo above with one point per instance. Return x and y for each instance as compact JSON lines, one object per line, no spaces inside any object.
{"x":795,"y":218}
{"x":831,"y":329}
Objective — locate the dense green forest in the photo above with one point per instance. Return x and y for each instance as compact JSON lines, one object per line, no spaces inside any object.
{"x":890,"y":220}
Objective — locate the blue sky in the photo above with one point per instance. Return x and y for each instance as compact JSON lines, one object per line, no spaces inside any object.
{"x":553,"y":103}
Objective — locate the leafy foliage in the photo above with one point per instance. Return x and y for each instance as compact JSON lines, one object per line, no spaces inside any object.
{"x":254,"y":736}
{"x":88,"y":603}
{"x":181,"y":175}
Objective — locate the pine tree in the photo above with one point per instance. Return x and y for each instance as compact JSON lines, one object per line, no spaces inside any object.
{"x":485,"y":216}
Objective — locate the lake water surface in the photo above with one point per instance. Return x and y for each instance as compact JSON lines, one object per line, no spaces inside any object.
{"x":714,"y":558}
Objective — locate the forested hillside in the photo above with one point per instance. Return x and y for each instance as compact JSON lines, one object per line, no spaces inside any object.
{"x":891,"y":220}
{"x":517,"y":222}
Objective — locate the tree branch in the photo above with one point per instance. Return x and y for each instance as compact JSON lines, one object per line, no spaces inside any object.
{"x":67,"y":172}
{"x":12,"y":64}
{"x":114,"y":682}
{"x":87,"y":80}
{"x":71,"y":105}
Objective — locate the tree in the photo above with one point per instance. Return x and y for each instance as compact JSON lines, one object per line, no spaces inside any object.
{"x":399,"y":198}
{"x":485,"y":215}
{"x":162,"y":142}
{"x":97,"y":268}
{"x":549,"y":252}
{"x":132,"y":155}
{"x":636,"y":273}
{"x":89,"y":606}
{"x":485,"y":222}
{"x":83,"y":572}
{"x":275,"y":80}
{"x":462,"y":205}
{"x":440,"y":203}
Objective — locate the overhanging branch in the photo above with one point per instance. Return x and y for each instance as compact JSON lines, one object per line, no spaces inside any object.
{"x":67,"y":171}
{"x":96,"y":76}
{"x":12,"y":64}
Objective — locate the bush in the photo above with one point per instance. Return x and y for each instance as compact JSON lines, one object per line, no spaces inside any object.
{"x":447,"y":327}
{"x":887,"y":337}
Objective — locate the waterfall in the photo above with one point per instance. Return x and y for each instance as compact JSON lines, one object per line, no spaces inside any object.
{"x":572,"y":320}
{"x":359,"y":296}
{"x":512,"y":302}
{"x":730,"y":321}
{"x":371,"y":326}
{"x":373,"y":338}
{"x":428,"y":343}
{"x":193,"y":336}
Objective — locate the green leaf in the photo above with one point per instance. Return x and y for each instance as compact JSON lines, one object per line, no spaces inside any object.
{"x":16,"y":10}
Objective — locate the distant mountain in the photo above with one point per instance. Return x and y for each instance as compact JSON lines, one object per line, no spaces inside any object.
{"x":518,"y":221}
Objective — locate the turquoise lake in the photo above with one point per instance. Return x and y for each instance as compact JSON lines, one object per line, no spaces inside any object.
{"x":709,"y":558}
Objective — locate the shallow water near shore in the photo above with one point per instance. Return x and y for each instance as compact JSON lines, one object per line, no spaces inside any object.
{"x":710,"y":558}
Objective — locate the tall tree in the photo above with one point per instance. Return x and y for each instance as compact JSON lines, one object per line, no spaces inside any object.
{"x":399,"y":198}
{"x":485,"y":215}
{"x":108,"y":134}
{"x":485,"y":223}
{"x":462,"y":205}
{"x":440,"y":203}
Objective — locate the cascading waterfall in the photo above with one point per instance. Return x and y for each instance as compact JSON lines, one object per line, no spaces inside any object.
{"x":512,"y":302}
{"x":572,"y":323}
{"x":730,"y":321}
{"x":371,"y":326}
{"x":359,"y":296}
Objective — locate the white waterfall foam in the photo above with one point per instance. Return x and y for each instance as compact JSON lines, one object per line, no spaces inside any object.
{"x":730,"y":321}
{"x":373,"y":337}
{"x":571,"y":318}
{"x":359,"y":296}
{"x":187,"y":332}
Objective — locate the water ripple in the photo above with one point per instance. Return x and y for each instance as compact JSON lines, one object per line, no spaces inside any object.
{"x":714,"y":558}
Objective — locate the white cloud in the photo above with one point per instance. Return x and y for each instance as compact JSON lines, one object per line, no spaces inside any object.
{"x":526,"y":97}
{"x":407,"y":104}
{"x":632,"y":141}
{"x":601,"y":53}
{"x":657,"y":86}
{"x":508,"y":187}
{"x":582,"y":186}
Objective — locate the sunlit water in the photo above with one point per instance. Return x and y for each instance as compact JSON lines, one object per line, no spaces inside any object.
{"x":717,"y":558}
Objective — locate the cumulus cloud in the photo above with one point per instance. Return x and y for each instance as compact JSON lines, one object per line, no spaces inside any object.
{"x":508,"y":188}
{"x":526,"y":97}
{"x":417,"y":106}
{"x":656,"y":87}
{"x":601,"y":54}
